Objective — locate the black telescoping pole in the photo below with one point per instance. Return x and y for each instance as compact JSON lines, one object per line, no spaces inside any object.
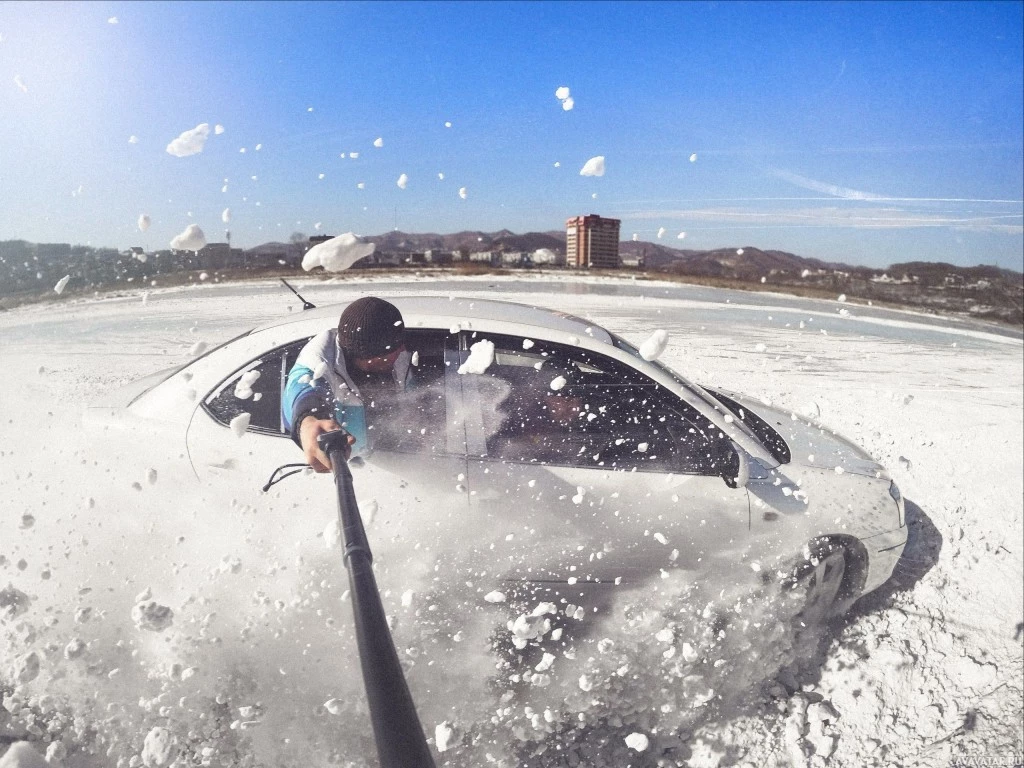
{"x":396,"y":725}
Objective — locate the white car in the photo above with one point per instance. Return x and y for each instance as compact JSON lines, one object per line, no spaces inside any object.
{"x":647,"y":473}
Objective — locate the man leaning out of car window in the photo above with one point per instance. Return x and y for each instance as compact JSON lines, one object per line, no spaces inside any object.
{"x":342,"y":373}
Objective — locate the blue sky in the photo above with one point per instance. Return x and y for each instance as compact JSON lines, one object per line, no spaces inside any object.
{"x":869,"y":133}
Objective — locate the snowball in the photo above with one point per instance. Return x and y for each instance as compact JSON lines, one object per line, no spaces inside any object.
{"x":562,"y":93}
{"x":495,"y":597}
{"x":660,"y":538}
{"x":62,"y":284}
{"x":22,"y":755}
{"x":444,"y":736}
{"x":593,"y":167}
{"x":681,"y":236}
{"x":26,"y":668}
{"x":337,"y":254}
{"x":739,"y":251}
{"x":693,"y":158}
{"x":192,"y":239}
{"x":403,"y":181}
{"x":133,"y":139}
{"x":528,"y":343}
{"x":655,"y":345}
{"x":637,"y":741}
{"x":481,"y":355}
{"x":568,"y":104}
{"x":243,"y":387}
{"x":143,"y":222}
{"x":158,"y":748}
{"x":545,"y":663}
{"x":557,"y":383}
{"x":334,"y":706}
{"x":240,"y":423}
{"x":580,"y":493}
{"x":152,"y":616}
{"x":585,"y":683}
{"x":190,"y":142}
{"x":218,"y":129}
{"x":661,"y":232}
{"x":332,"y":534}
{"x":378,"y":142}
{"x":440,"y":176}
{"x":664,"y":636}
{"x":225,"y":215}
{"x":462,"y":192}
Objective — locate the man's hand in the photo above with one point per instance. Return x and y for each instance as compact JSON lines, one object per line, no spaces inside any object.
{"x":311,"y":428}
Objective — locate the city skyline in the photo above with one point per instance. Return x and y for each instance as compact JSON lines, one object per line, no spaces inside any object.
{"x":868,"y":134}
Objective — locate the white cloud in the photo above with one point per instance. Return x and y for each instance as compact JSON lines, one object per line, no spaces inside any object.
{"x":20,"y":83}
{"x":338,"y":253}
{"x":378,"y":142}
{"x":821,"y":186}
{"x":218,"y":129}
{"x":192,"y":239}
{"x":133,"y":139}
{"x":403,"y":180}
{"x":593,"y":167}
{"x":225,"y":215}
{"x":462,"y":192}
{"x":143,"y":222}
{"x":190,"y":142}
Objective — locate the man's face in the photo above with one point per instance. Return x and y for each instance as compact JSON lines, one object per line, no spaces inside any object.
{"x":379,"y":364}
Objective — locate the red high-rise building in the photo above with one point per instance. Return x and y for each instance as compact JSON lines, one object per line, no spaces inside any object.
{"x":591,"y":241}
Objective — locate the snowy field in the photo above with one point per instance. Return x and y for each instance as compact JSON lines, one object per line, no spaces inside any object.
{"x":257,"y":665}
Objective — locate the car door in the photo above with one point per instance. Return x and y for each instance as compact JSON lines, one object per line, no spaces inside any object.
{"x":622,"y":480}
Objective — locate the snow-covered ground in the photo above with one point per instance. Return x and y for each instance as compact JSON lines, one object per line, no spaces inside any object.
{"x":145,"y":620}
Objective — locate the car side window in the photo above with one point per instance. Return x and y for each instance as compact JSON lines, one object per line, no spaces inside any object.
{"x":556,"y":404}
{"x":256,"y":389}
{"x":414,"y":420}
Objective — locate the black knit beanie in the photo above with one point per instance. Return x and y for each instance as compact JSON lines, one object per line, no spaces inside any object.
{"x":370,"y":327}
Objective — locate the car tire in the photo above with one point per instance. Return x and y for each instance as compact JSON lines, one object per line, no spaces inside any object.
{"x":820,"y":579}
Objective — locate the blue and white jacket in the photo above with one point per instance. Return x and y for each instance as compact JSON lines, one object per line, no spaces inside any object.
{"x":319,"y":385}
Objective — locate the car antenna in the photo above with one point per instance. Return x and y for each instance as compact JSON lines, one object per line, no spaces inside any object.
{"x":305,"y":304}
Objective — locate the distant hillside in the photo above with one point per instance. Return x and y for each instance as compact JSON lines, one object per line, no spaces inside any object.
{"x":470,"y":241}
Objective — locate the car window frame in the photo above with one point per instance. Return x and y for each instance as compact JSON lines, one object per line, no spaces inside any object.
{"x":477,"y":435}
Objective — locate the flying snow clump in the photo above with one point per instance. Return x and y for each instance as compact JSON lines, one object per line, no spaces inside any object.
{"x":112,"y":20}
{"x":338,"y":253}
{"x":693,"y":158}
{"x":637,"y":741}
{"x":152,"y":616}
{"x":225,"y":215}
{"x":22,"y":755}
{"x":240,"y":423}
{"x":562,"y":93}
{"x":243,"y":389}
{"x":681,"y":236}
{"x":62,"y":284}
{"x":568,"y":104}
{"x":462,"y":192}
{"x":158,"y":748}
{"x":218,"y":129}
{"x":481,"y":355}
{"x":661,"y":232}
{"x":190,"y":142}
{"x":20,"y":83}
{"x":192,"y":239}
{"x":403,"y":181}
{"x":593,"y":167}
{"x":133,"y":139}
{"x":447,"y":124}
{"x":444,"y":736}
{"x":655,"y":345}
{"x":378,"y":142}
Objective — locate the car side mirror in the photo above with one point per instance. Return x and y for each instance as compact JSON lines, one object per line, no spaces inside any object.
{"x":737,"y":469}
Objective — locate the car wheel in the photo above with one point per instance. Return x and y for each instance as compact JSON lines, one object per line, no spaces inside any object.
{"x":818,"y":583}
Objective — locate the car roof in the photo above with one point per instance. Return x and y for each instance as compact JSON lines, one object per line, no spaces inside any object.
{"x":450,"y":311}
